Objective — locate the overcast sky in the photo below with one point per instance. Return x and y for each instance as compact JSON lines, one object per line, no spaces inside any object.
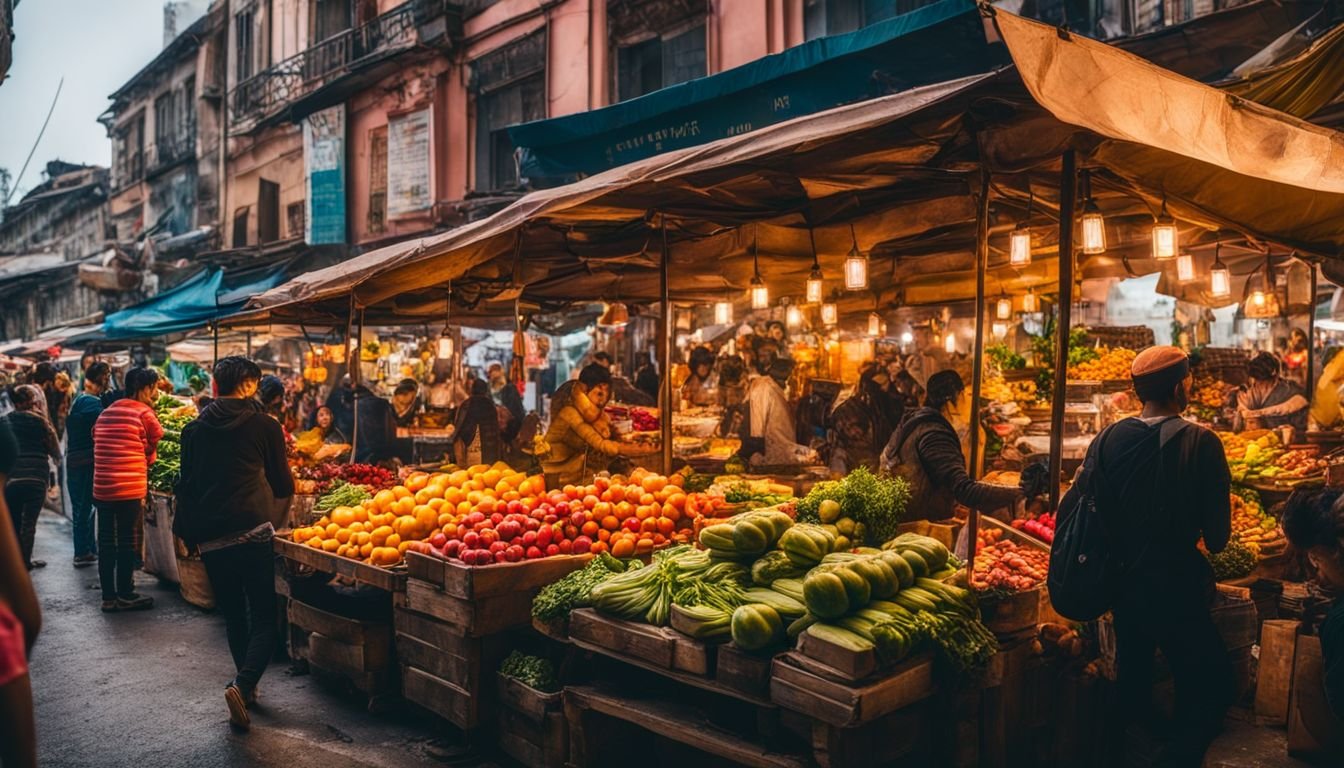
{"x":97,"y":45}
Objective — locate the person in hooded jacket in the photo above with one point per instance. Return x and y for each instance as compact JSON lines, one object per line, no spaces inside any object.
{"x":926,"y":451}
{"x":234,"y":490}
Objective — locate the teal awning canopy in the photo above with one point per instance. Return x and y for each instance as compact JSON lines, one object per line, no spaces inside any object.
{"x":204,"y":298}
{"x":936,"y":43}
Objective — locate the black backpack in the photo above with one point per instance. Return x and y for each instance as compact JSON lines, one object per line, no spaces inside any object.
{"x":1084,"y":571}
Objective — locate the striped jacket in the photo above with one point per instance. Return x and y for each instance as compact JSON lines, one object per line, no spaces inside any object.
{"x":124,"y":440}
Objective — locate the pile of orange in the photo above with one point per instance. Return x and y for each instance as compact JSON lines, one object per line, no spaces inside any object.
{"x":634,"y":515}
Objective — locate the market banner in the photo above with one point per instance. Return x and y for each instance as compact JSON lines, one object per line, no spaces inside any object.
{"x":408,"y":163}
{"x":324,"y":161}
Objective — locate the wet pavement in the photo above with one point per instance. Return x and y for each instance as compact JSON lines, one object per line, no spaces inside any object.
{"x":146,"y":689}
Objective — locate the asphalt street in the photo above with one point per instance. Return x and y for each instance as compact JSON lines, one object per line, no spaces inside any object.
{"x":146,"y":689}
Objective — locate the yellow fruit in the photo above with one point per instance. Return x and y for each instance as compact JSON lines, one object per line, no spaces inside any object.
{"x":343,"y":535}
{"x":365,"y":549}
{"x":331,"y":545}
{"x":392,"y":541}
{"x":315,"y":542}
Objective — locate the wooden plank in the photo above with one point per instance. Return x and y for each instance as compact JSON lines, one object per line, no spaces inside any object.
{"x":793,"y":687}
{"x":1274,"y":685}
{"x":626,"y":640}
{"x":843,"y":662}
{"x":337,"y":627}
{"x":462,"y":669}
{"x":441,"y":697}
{"x":391,"y":580}
{"x":534,"y":745}
{"x":526,"y":700}
{"x":879,"y":743}
{"x":471,"y":582}
{"x":477,"y":618}
{"x":743,"y":671}
{"x":670,"y":720}
{"x":1012,"y":613}
{"x":438,"y":634}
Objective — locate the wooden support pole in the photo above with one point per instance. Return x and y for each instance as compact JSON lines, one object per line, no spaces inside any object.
{"x":352,"y":360}
{"x":978,"y":354}
{"x":216,"y":353}
{"x":1311,"y":340}
{"x":1068,"y":183}
{"x":665,"y":350}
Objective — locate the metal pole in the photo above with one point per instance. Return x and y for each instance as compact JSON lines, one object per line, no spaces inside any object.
{"x":665,"y":356}
{"x":216,"y":353}
{"x":1068,"y":180}
{"x":249,"y":343}
{"x":353,"y":359}
{"x":978,"y":355}
{"x":1311,"y":338}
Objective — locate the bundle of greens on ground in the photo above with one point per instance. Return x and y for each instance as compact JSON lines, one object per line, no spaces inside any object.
{"x":532,"y":671}
{"x":556,"y":600}
{"x":876,"y":502}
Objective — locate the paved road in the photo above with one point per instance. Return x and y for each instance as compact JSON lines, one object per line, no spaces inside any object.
{"x":147,"y":689}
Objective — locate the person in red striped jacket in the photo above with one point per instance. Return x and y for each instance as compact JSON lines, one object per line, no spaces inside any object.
{"x":125,"y":438}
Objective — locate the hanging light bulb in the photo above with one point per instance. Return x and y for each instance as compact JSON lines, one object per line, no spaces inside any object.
{"x":615,"y":315}
{"x":1257,"y":298}
{"x":1165,"y":236}
{"x":856,"y":266}
{"x":814,"y":284}
{"x":1220,"y":278}
{"x":760,"y":295}
{"x":950,"y":343}
{"x":874,"y":324}
{"x":1031,"y":303}
{"x":907,"y":337}
{"x":1019,"y":243}
{"x":445,"y":345}
{"x":1185,"y":267}
{"x":1003,"y":308}
{"x":830,"y":314}
{"x":723,"y":312}
{"x":793,"y":316}
{"x":1094,"y":224}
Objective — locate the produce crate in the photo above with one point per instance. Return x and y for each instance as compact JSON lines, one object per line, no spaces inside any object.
{"x":658,"y":648}
{"x":742,"y":670}
{"x":532,"y":726}
{"x":1136,"y":337}
{"x":445,"y":671}
{"x":476,"y":581}
{"x":800,"y":684}
{"x":387,"y":579}
{"x":356,"y":651}
{"x":1235,"y":616}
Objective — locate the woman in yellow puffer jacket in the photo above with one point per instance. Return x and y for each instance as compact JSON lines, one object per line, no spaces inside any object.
{"x":580,"y":434}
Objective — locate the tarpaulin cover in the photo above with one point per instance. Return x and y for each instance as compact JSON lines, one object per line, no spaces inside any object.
{"x":941,"y":41}
{"x":207,"y":296}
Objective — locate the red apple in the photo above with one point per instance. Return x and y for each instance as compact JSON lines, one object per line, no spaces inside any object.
{"x":534,"y":554}
{"x":581,"y":545}
{"x":438,"y":540}
{"x":566,"y":546}
{"x":552,"y":550}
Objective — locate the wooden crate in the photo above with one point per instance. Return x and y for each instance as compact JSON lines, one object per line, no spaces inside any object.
{"x":531,"y":724}
{"x":445,"y":655}
{"x":444,"y":698}
{"x":589,"y":711}
{"x":1313,"y":730}
{"x":659,"y":648}
{"x":1234,"y":614}
{"x":744,"y":671}
{"x":1274,"y":682}
{"x":837,"y":662}
{"x":357,"y":651}
{"x":479,"y":617}
{"x":470,"y":582}
{"x":389,"y":579}
{"x":1013,"y":613}
{"x":799,"y":684}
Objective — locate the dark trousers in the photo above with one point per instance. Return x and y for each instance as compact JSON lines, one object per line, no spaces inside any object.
{"x":24,"y":499}
{"x":118,"y":546}
{"x":79,"y":479}
{"x":243,"y":579}
{"x":1180,"y":626}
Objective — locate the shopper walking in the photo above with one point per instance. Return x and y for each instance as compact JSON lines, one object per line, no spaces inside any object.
{"x":1163,"y":483}
{"x":125,"y":438}
{"x":234,"y":490}
{"x":20,"y":621}
{"x":26,"y":487}
{"x":84,"y":412}
{"x":477,"y":437}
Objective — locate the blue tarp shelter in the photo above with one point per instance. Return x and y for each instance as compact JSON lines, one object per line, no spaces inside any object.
{"x":205,"y":297}
{"x":938,"y":42}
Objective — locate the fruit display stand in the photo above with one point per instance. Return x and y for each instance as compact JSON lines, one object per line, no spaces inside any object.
{"x":344,"y":634}
{"x":454,"y":623}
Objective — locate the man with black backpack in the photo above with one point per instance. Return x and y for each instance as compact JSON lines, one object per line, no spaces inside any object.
{"x":1151,"y":486}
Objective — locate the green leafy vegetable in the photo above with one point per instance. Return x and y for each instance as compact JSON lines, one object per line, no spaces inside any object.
{"x":532,"y":671}
{"x":1005,"y":358}
{"x":1235,"y":561}
{"x":556,"y":600}
{"x":877,"y":502}
{"x":342,"y":494}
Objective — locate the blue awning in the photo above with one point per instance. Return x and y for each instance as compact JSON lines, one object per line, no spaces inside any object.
{"x":936,"y":43}
{"x":205,"y":297}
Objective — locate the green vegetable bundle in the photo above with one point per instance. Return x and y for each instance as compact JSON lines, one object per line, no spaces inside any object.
{"x":342,"y":494}
{"x":877,"y":502}
{"x":532,"y":671}
{"x":678,"y":576}
{"x":1235,"y":561}
{"x":556,"y":600}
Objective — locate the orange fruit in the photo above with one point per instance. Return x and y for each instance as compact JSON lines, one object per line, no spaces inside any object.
{"x":590,"y":528}
{"x":343,"y":535}
{"x":383,"y":500}
{"x":331,"y":545}
{"x":590,"y":501}
{"x":654,"y":483}
{"x":405,"y":506}
{"x":363,"y":537}
{"x":417,"y":480}
{"x":603,"y":535}
{"x":665,"y":526}
{"x":315,"y":542}
{"x":401,"y":492}
{"x":623,"y":548}
{"x":365,"y":549}
{"x":380,"y":535}
{"x":392,"y":541}
{"x":611,"y":523}
{"x":597,"y":547}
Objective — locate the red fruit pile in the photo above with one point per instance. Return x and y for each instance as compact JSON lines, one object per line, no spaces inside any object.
{"x":644,"y":420}
{"x":1005,"y":564}
{"x":1041,"y":526}
{"x":509,"y":538}
{"x":326,"y":475}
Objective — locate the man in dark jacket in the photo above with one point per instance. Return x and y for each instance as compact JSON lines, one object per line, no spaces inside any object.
{"x":926,"y":451}
{"x":375,"y":428}
{"x":84,"y":411}
{"x":1165,"y":484}
{"x":234,"y":489}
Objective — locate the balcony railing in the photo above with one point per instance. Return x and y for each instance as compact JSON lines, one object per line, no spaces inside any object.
{"x":267,"y":92}
{"x":171,"y":150}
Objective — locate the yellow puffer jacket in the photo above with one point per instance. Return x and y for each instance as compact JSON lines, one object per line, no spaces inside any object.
{"x":578,"y":428}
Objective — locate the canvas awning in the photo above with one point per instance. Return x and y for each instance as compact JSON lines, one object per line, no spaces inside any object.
{"x":900,"y":170}
{"x":205,"y":297}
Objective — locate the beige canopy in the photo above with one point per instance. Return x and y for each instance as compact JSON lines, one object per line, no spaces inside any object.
{"x":899,"y":175}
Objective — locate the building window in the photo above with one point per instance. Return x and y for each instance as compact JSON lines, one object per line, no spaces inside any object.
{"x":836,"y":17}
{"x":243,"y":29}
{"x":268,"y":211}
{"x":187,"y":111}
{"x":377,"y":180}
{"x":240,"y":217}
{"x":294,"y":219}
{"x":658,"y":62}
{"x":328,"y":18}
{"x":129,"y":151}
{"x":165,"y":125}
{"x":510,"y":88}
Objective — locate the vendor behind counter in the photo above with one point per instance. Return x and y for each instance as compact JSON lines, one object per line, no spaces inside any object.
{"x":1269,"y":401}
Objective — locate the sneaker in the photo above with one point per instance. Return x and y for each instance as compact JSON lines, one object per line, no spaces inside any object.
{"x":135,"y":602}
{"x":110,"y":606}
{"x":250,"y":698}
{"x":84,"y":561}
{"x":238,"y":716}
{"x":35,"y":564}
